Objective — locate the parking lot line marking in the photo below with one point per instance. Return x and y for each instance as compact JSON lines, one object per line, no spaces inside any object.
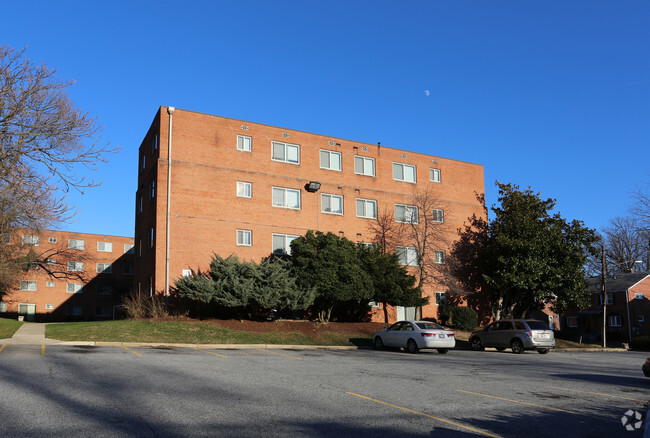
{"x":43,"y":350}
{"x":597,"y":393}
{"x":209,"y":352}
{"x":519,"y":402}
{"x":128,"y":349}
{"x":426,"y":415}
{"x":3,"y":347}
{"x":279,"y":354}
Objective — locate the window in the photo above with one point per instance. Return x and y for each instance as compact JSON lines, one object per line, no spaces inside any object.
{"x":75,"y":244}
{"x":407,"y":214}
{"x":244,"y":143}
{"x":74,"y":288}
{"x":407,"y":256}
{"x":332,"y":204}
{"x":151,"y":237}
{"x":286,"y":198}
{"x":127,"y":269}
{"x":186,"y":273}
{"x":330,"y":160}
{"x":366,"y":208}
{"x":244,"y":237}
{"x":28,"y":285}
{"x":75,"y":266}
{"x":104,"y":268}
{"x":143,"y":163}
{"x":50,"y":262}
{"x":285,"y":152}
{"x":52,"y":240}
{"x":572,"y":321}
{"x":638,"y":296}
{"x":244,"y":189}
{"x":104,"y":246}
{"x":282,"y":243}
{"x":3,"y":307}
{"x":441,"y":298}
{"x":72,"y":310}
{"x":104,"y":289}
{"x":128,"y":248}
{"x":439,"y":257}
{"x":640,"y":319}
{"x":610,"y":299}
{"x":49,"y":307}
{"x":154,"y":142}
{"x":404,"y":172}
{"x":138,"y":247}
{"x":434,"y":175}
{"x":49,"y":284}
{"x":615,"y":321}
{"x":103,"y":311}
{"x":30,"y":240}
{"x":364,"y":166}
{"x":438,"y":215}
{"x":140,"y":204}
{"x":152,"y":189}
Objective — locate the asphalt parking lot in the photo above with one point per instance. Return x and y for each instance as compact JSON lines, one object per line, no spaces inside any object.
{"x":172,"y":392}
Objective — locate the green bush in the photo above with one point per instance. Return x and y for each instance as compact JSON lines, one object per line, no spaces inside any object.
{"x":464,"y":318}
{"x":444,"y":313}
{"x":642,"y":343}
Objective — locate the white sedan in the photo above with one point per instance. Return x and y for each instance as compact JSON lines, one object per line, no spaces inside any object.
{"x":415,"y":335}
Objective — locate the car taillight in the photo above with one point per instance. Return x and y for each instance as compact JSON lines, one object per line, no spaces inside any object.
{"x":529,"y":334}
{"x":426,"y":335}
{"x":450,"y":335}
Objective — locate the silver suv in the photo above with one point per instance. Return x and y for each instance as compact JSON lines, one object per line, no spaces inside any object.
{"x":518,"y":334}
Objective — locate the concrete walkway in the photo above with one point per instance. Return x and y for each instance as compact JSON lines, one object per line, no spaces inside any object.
{"x":31,"y":333}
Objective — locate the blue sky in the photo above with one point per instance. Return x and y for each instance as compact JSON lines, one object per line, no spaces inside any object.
{"x":552,"y":95}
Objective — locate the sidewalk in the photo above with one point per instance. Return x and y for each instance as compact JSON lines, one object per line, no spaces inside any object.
{"x":30,"y":334}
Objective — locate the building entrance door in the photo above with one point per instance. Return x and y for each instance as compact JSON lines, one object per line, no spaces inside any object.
{"x":27,"y":310}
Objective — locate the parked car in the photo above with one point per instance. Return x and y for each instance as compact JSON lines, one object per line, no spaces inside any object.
{"x":414,"y":336}
{"x":517,"y":334}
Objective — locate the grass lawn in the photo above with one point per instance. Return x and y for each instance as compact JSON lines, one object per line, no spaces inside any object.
{"x":8,"y":327}
{"x":185,"y":332}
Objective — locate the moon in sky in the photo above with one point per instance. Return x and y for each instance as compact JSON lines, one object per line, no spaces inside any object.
{"x":426,"y":92}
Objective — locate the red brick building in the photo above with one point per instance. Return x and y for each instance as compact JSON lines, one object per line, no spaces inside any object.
{"x":242,"y":188}
{"x":70,"y":276}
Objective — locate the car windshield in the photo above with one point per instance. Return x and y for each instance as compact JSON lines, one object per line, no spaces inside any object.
{"x":429,"y":326}
{"x":538,"y":325}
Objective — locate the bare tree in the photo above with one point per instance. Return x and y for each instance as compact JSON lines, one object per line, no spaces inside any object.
{"x":45,"y":144}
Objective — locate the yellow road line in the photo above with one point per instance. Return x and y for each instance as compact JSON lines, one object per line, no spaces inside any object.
{"x":462,"y":426}
{"x":597,"y":393}
{"x":3,"y":347}
{"x":42,"y":349}
{"x":279,"y":354}
{"x":128,"y":349}
{"x":520,"y":402}
{"x":209,"y":352}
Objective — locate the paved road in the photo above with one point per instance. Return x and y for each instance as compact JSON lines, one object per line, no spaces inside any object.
{"x":58,"y":390}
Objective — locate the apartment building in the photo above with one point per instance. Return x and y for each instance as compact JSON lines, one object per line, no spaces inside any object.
{"x":70,"y":276}
{"x":210,"y":184}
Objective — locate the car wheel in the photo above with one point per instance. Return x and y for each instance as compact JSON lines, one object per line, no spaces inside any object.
{"x":443,"y":350}
{"x":476,"y":344}
{"x":517,"y":346}
{"x":500,"y":348}
{"x":543,"y":350}
{"x":379,"y":344}
{"x":412,"y":347}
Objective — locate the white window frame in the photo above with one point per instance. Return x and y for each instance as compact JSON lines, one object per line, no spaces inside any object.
{"x":438,"y":216}
{"x":284,"y":191}
{"x":104,"y":246}
{"x":286,"y":147}
{"x":104,"y":268}
{"x":28,"y":285}
{"x":49,"y":284}
{"x":244,"y":143}
{"x":3,"y":307}
{"x":49,"y":307}
{"x":610,"y":299}
{"x":76,"y":244}
{"x":244,"y":238}
{"x":129,"y":248}
{"x":244,"y":189}
{"x":74,"y":266}
{"x":52,"y":240}
{"x":31,"y":239}
{"x":615,"y":321}
{"x":326,"y":199}
{"x":286,"y":245}
{"x":439,"y":257}
{"x":74,"y":288}
{"x":403,"y":167}
{"x":186,"y":273}
{"x":434,"y":175}
{"x":364,"y":163}
{"x":407,"y":255}
{"x":329,"y":155}
{"x":365,"y":203}
{"x":409,"y":210}
{"x":441,"y":298}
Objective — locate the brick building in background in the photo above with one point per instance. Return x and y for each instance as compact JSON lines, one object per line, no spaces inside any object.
{"x":70,"y":276}
{"x":244,"y":188}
